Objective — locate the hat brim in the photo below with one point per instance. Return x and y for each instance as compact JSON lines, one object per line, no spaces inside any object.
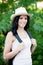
{"x":14,"y":15}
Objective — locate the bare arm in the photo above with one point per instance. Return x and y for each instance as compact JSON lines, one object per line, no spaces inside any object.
{"x":33,"y":41}
{"x":8,"y":42}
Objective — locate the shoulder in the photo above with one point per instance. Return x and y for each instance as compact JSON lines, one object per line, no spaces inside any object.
{"x":10,"y":35}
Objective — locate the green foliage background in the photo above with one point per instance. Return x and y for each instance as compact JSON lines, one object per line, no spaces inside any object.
{"x":36,"y":26}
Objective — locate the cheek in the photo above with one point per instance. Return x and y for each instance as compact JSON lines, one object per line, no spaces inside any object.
{"x":19,"y":23}
{"x":26,"y":22}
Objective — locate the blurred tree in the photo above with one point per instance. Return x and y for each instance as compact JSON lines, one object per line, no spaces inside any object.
{"x":7,"y":7}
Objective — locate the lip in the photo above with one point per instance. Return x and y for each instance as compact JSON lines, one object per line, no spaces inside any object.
{"x":24,"y":23}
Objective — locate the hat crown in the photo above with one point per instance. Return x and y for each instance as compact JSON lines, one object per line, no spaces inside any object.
{"x":20,"y":10}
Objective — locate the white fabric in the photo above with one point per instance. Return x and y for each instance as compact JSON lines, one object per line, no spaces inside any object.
{"x":23,"y":57}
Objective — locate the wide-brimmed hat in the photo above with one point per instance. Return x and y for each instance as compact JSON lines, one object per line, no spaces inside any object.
{"x":19,"y":11}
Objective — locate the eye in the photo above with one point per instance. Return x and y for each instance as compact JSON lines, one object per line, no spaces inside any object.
{"x":25,"y":18}
{"x":21,"y":17}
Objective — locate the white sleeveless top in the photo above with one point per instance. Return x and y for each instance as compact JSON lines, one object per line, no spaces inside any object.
{"x":25,"y":55}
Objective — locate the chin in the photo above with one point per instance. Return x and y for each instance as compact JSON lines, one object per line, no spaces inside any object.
{"x":22,"y":26}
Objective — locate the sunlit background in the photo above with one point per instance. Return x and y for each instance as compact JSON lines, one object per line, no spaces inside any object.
{"x":35,"y":8}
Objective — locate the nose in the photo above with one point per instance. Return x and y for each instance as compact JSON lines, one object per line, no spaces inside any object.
{"x":24,"y":20}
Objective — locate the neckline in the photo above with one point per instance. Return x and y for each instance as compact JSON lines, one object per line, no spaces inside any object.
{"x":18,"y":38}
{"x":26,"y":33}
{"x":19,"y":35}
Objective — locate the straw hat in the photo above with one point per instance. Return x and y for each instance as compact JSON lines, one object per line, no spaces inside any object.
{"x":19,"y":11}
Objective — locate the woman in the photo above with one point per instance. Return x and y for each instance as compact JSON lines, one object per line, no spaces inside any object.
{"x":22,"y":51}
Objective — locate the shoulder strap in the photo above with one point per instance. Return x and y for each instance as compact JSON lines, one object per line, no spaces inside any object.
{"x":18,"y":38}
{"x":29,"y":34}
{"x":11,"y":60}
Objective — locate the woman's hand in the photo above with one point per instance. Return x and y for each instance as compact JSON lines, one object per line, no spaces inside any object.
{"x":33,"y":41}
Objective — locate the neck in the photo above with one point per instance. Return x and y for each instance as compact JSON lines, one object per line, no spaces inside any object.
{"x":20,"y":29}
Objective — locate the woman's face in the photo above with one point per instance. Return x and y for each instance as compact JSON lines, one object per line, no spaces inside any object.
{"x":22,"y":21}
